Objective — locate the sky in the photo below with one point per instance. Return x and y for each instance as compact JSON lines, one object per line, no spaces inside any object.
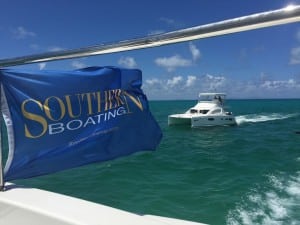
{"x":263,"y":63}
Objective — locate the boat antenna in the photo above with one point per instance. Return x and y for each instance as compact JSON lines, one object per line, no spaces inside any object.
{"x":285,"y":15}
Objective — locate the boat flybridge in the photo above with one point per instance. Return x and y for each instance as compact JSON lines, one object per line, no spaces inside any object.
{"x":29,"y":206}
{"x":209,"y":111}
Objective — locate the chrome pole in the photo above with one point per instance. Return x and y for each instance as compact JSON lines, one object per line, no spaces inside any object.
{"x":1,"y":145}
{"x":289,"y":14}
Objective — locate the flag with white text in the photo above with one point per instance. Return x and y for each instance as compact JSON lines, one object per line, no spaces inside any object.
{"x":63,"y":119}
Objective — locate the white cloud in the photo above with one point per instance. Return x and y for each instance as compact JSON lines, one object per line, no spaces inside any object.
{"x":167,"y":20}
{"x":190,"y":81}
{"x":204,"y":83}
{"x":153,"y":81}
{"x":295,"y":56}
{"x":155,"y":85}
{"x":78,"y":65}
{"x":155,"y":32}
{"x":174,"y":81}
{"x":280,"y":84}
{"x":195,"y":51}
{"x":263,"y":76}
{"x":158,"y":88}
{"x":188,"y":87}
{"x":183,"y":87}
{"x":171,"y":22}
{"x":22,"y":33}
{"x":128,"y":62}
{"x":170,"y":63}
{"x":42,"y":66}
{"x":55,"y":49}
{"x":214,"y":83}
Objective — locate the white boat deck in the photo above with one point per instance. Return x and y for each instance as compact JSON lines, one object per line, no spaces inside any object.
{"x":182,"y":115}
{"x":29,"y":206}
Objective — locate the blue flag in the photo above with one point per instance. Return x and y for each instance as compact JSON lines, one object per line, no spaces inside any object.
{"x":58,"y":120}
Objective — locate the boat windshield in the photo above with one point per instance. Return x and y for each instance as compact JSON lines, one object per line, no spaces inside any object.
{"x":212,"y":97}
{"x":203,"y":111}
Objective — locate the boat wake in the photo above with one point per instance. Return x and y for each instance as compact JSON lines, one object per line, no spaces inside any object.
{"x":256,"y":118}
{"x":278,"y":203}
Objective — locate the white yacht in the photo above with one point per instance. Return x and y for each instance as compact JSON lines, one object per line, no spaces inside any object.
{"x":209,"y":111}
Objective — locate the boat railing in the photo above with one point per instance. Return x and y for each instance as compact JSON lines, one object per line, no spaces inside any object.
{"x":289,"y":14}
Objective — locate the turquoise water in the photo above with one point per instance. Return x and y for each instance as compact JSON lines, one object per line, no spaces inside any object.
{"x":244,"y":174}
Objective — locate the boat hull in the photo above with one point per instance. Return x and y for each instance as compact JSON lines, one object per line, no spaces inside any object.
{"x":201,"y":120}
{"x":179,"y":119}
{"x":222,"y":120}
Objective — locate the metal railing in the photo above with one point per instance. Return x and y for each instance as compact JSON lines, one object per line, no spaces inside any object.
{"x":289,"y":14}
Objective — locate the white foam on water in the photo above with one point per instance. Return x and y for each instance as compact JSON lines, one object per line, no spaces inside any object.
{"x":277,"y":204}
{"x":257,"y":118}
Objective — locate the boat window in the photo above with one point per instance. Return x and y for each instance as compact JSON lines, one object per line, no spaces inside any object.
{"x":212,"y":97}
{"x":216,"y":111}
{"x":211,"y":119}
{"x":193,"y":111}
{"x":203,"y":111}
{"x":206,"y":98}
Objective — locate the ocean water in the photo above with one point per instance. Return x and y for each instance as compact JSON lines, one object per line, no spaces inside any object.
{"x":244,"y":174}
